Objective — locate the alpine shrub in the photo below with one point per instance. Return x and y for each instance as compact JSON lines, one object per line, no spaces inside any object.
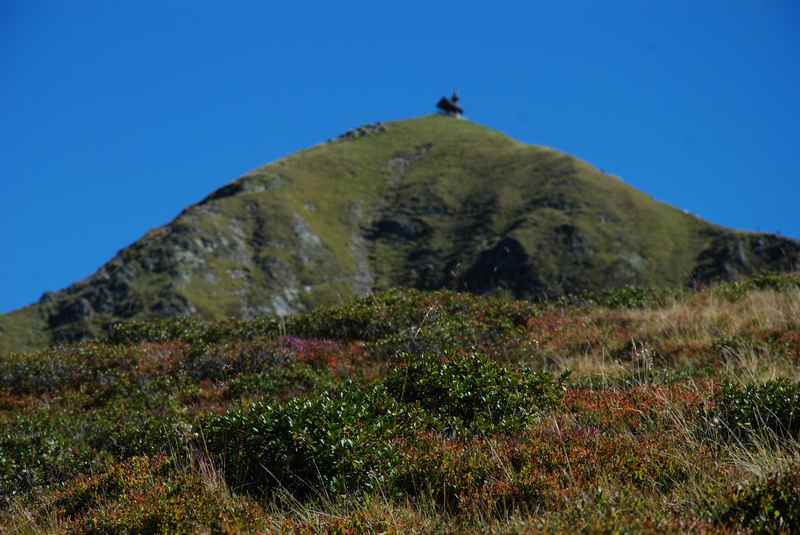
{"x":339,"y":441}
{"x":771,"y":406}
{"x":474,"y":395}
{"x":768,"y":506}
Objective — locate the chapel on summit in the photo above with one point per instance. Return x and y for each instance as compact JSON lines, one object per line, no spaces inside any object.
{"x":450,"y":106}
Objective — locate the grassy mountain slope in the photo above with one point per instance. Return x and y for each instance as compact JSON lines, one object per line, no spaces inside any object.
{"x":427,"y":203}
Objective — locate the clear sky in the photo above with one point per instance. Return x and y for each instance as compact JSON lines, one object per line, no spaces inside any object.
{"x":116,"y":115}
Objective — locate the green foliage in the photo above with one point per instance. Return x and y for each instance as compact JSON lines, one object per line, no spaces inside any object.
{"x":376,"y":317}
{"x":66,"y":367}
{"x":453,"y":323}
{"x":117,"y":420}
{"x":768,"y":506}
{"x":472,"y":394}
{"x":336,"y":442}
{"x":290,"y":378}
{"x":137,"y":419}
{"x":343,"y":439}
{"x":409,"y":405}
{"x":193,"y":330}
{"x":40,"y":448}
{"x":629,"y":297}
{"x":397,"y":312}
{"x":773,"y":406}
{"x":779,"y":282}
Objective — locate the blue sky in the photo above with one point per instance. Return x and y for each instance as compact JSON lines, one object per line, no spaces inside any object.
{"x":116,"y":115}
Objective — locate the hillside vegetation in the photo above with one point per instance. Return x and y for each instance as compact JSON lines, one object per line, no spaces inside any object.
{"x":628,"y":410}
{"x":429,"y":203}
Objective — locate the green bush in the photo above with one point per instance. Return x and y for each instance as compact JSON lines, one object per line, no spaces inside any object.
{"x":737,"y":290}
{"x":55,"y":369}
{"x":85,"y":431}
{"x":473,"y":394}
{"x":369,"y":318}
{"x":280,"y":379}
{"x":773,"y":406}
{"x":194,"y":331}
{"x":344,"y":440}
{"x":337,"y":442}
{"x":137,"y":426}
{"x":40,"y":448}
{"x":768,"y":506}
{"x":628,"y":297}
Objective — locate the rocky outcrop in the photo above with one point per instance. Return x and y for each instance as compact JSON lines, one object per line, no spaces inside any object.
{"x":731,"y":256}
{"x":363,"y":131}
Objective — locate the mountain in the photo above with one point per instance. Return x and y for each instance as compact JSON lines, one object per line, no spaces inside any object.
{"x":429,"y":203}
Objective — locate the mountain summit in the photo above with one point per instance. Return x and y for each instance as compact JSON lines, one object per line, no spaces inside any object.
{"x":429,"y":203}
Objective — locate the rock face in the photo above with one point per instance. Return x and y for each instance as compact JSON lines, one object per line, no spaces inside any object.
{"x":429,"y":203}
{"x":731,"y":255}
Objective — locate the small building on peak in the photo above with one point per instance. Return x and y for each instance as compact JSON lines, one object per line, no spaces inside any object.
{"x":451,"y":106}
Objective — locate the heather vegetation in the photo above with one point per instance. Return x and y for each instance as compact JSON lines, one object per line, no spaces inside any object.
{"x":632,"y":410}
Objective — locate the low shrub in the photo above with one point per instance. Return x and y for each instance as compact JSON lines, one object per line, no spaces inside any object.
{"x":40,"y":448}
{"x":475,"y":476}
{"x":337,"y":442}
{"x":87,"y":492}
{"x":768,"y":506}
{"x":370,"y":318}
{"x":472,"y":394}
{"x":773,"y":406}
{"x":194,"y":331}
{"x":136,"y":427}
{"x":51,"y":370}
{"x":153,"y":495}
{"x":626,"y":297}
{"x":50,"y":445}
{"x":295,"y":377}
{"x":344,"y":440}
{"x":737,"y":290}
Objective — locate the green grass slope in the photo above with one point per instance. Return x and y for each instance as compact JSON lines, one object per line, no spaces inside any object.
{"x":23,"y":330}
{"x":427,"y":203}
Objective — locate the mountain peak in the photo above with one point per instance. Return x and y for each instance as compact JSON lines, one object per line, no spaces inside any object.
{"x":428,"y":202}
